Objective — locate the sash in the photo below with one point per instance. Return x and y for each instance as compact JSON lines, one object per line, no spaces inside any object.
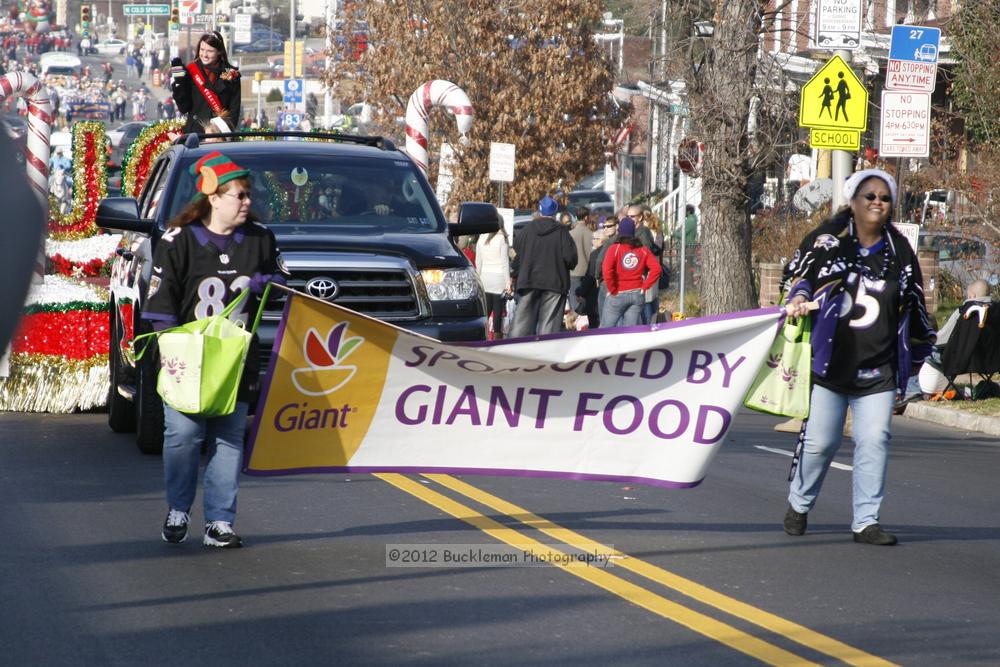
{"x":199,"y":80}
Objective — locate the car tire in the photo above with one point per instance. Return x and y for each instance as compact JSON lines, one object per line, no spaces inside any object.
{"x":148,"y":404}
{"x":121,"y":411}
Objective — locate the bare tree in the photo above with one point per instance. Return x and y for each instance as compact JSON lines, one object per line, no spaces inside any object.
{"x":741,"y":109}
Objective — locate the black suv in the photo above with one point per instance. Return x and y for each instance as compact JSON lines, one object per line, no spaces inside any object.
{"x":356,"y":222}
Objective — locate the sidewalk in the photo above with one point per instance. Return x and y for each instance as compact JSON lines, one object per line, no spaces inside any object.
{"x":960,"y":419}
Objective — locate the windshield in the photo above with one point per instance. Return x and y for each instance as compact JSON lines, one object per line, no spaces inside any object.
{"x":584,"y":198}
{"x":330,"y":191}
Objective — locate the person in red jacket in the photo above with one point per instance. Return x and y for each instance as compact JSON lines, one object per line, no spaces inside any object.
{"x":629,"y":270}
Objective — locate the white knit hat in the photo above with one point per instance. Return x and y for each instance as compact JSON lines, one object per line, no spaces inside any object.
{"x":852,"y":183}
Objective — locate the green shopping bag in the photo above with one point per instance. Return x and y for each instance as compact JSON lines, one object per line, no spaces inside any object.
{"x":201,"y":362}
{"x":782,"y":383}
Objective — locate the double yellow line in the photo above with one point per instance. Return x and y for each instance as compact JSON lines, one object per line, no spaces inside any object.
{"x":706,"y":625}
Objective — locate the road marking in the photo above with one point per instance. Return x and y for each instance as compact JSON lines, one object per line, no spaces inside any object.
{"x":789,"y":629}
{"x":838,"y":466}
{"x":700,"y":623}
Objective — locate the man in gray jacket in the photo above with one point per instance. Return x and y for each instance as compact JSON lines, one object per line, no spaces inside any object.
{"x":583,"y":240}
{"x":544,"y":255}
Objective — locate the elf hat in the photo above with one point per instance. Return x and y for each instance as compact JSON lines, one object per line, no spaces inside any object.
{"x":214,"y":170}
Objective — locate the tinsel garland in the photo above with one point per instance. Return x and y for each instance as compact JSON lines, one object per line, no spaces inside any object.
{"x":90,"y":183}
{"x":87,"y":257}
{"x":70,"y":334}
{"x":281,"y":201}
{"x":52,"y":383}
{"x":141,"y":155}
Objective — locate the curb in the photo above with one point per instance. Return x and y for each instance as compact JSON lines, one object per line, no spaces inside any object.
{"x":954,"y":418}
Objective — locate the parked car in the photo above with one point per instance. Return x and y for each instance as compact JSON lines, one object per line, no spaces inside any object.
{"x":261,"y":45}
{"x":964,"y":256}
{"x":364,"y":219}
{"x":111,"y":47}
{"x":598,"y":201}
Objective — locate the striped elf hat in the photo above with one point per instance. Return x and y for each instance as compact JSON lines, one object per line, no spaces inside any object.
{"x":213,"y":170}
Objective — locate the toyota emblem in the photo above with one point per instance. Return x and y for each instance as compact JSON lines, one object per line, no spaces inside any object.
{"x":323,"y":287}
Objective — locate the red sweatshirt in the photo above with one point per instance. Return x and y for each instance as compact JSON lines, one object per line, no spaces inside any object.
{"x":625,"y":265}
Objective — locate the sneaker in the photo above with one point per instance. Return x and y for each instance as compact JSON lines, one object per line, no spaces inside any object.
{"x":795,"y":522}
{"x":874,"y":534}
{"x":175,"y":528}
{"x":220,"y":534}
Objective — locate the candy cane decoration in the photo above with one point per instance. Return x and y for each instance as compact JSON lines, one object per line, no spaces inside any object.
{"x":39,"y":128}
{"x":436,"y":93}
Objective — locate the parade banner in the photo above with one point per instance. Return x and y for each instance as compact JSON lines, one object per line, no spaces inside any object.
{"x":651,"y":404}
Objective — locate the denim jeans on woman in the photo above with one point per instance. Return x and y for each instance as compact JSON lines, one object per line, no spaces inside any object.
{"x":183,"y":437}
{"x":824,"y":433}
{"x":623,"y":309}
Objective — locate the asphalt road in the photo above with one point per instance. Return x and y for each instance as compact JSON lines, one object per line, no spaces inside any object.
{"x":703,"y":576}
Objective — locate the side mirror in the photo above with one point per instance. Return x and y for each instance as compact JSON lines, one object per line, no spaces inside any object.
{"x":122,"y":214}
{"x":476,"y":218}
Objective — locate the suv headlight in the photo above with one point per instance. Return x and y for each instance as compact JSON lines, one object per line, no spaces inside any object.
{"x":451,"y":284}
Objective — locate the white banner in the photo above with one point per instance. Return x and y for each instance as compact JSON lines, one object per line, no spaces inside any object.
{"x":642,"y":404}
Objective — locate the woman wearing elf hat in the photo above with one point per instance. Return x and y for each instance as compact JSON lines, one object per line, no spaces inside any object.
{"x":207,"y":87}
{"x":210,"y":253}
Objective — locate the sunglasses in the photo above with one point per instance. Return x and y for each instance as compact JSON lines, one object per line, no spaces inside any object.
{"x":610,"y":225}
{"x":871,"y":196}
{"x":242,"y":196}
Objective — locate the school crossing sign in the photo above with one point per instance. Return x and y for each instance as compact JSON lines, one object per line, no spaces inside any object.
{"x":834,"y":103}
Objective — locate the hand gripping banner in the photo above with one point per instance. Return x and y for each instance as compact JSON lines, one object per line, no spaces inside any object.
{"x":347,"y":393}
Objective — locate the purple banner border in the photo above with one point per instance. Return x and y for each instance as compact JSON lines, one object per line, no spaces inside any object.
{"x":641,"y":328}
{"x":499,"y":472}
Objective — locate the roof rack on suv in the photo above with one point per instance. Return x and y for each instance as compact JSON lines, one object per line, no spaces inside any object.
{"x":194,"y":139}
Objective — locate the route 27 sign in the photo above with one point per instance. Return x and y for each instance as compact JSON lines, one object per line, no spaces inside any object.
{"x":913,"y":56}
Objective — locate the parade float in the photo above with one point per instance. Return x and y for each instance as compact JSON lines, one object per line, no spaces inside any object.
{"x":58,"y":358}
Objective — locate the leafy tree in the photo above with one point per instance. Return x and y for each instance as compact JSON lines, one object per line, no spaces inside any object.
{"x":532,"y":71}
{"x":976,"y":45}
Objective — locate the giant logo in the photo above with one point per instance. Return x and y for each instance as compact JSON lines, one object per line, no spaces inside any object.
{"x":326,"y":372}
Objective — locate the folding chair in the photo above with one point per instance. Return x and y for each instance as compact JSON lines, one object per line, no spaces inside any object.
{"x":974,"y":346}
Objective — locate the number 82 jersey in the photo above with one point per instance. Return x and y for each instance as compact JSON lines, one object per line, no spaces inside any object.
{"x":196,"y":272}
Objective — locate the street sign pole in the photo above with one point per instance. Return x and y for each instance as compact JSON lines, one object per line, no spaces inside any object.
{"x":841,"y":166}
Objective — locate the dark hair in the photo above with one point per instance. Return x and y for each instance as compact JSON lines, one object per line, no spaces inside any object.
{"x":214,"y":39}
{"x":582,"y":212}
{"x":632,"y":241}
{"x":200,"y":207}
{"x":500,"y":230}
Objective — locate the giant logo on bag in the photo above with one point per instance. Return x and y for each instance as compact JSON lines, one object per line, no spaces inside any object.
{"x":326,"y":372}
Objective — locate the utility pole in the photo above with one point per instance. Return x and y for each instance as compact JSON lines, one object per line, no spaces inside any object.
{"x":331,"y":20}
{"x":291,"y":72}
{"x":841,"y":165}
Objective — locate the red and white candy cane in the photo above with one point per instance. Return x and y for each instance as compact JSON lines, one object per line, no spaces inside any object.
{"x":438,"y":93}
{"x":37,"y":149}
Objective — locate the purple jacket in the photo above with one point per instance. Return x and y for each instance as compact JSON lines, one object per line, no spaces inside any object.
{"x":825,"y":269}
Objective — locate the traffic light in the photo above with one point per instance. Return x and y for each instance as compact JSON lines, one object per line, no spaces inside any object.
{"x":175,"y":16}
{"x":85,"y":19}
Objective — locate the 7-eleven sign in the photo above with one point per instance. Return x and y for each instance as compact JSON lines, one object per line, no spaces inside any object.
{"x":188,"y":9}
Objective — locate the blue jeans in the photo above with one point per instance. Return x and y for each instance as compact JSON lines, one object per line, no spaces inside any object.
{"x":824,"y":433}
{"x":182,"y":440}
{"x":622,"y":309}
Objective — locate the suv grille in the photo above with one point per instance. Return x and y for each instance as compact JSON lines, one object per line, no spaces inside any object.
{"x":385,"y":294}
